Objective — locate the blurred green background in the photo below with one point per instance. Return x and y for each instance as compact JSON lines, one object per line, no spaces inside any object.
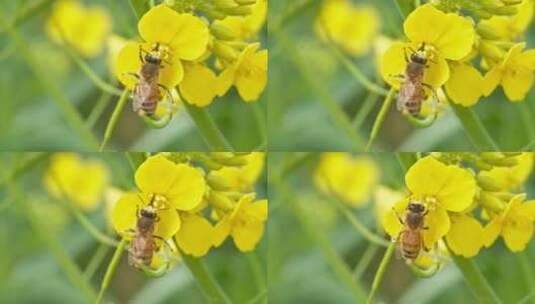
{"x":30,"y":119}
{"x":306,"y":81}
{"x":300,"y":268}
{"x":30,"y":273}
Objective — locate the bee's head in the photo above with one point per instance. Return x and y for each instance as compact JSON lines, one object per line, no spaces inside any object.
{"x":416,"y":208}
{"x":419,"y":57}
{"x":153,"y":58}
{"x":148,"y":212}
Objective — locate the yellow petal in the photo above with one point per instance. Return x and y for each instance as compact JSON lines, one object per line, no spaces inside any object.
{"x":517,"y":232}
{"x":451,"y":34}
{"x":393,"y":64}
{"x":168,"y":223}
{"x":124,"y":214}
{"x":171,"y":74}
{"x":156,"y":175}
{"x":517,"y":84}
{"x":225,"y":80}
{"x":128,"y":63}
{"x":437,"y":73}
{"x":191,"y":40}
{"x":195,"y":237}
{"x":492,"y":79}
{"x":199,"y":85}
{"x":527,"y":59}
{"x":221,"y":231}
{"x":258,"y":210}
{"x":391,"y":222}
{"x":247,"y":236}
{"x":425,"y":24}
{"x":492,"y":231}
{"x":438,"y":221}
{"x":457,"y":41}
{"x":187,"y":189}
{"x":158,"y":25}
{"x":458,"y":91}
{"x":465,"y":235}
{"x":251,"y":76}
{"x":453,"y":187}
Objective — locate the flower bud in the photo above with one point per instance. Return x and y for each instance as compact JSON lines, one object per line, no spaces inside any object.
{"x":224,"y":51}
{"x":491,"y":202}
{"x":487,"y":183}
{"x":222,"y":32}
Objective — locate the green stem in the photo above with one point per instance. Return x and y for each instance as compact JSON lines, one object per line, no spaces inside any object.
{"x":69,"y":111}
{"x":527,"y":269}
{"x":381,"y":271}
{"x":260,"y":117}
{"x":29,"y":11}
{"x":68,"y":266}
{"x":90,"y":228}
{"x":406,"y":160}
{"x":526,"y":116}
{"x":258,"y":274}
{"x":337,"y":264}
{"x":211,"y":134}
{"x":32,"y":160}
{"x":95,"y":261}
{"x":380,"y":118}
{"x":474,"y":128}
{"x":475,"y":280}
{"x":364,"y":111}
{"x":139,"y":7}
{"x":361,"y":228}
{"x":405,"y":7}
{"x":112,"y":123}
{"x":329,"y":103}
{"x":205,"y":280}
{"x":98,"y":109}
{"x":111,"y":270}
{"x":287,"y":15}
{"x":357,"y":74}
{"x":365,"y":260}
{"x":88,"y":71}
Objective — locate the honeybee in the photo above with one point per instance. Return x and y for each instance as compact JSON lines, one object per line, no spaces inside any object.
{"x":412,"y":93}
{"x":147,"y":92}
{"x":410,"y":239}
{"x":143,"y":246}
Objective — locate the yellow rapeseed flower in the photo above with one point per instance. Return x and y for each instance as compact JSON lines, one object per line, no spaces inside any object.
{"x":351,"y":26}
{"x":179,"y":37}
{"x":514,"y":224}
{"x":441,"y":188}
{"x":246,"y":27}
{"x":81,"y":181}
{"x":446,"y":36}
{"x":169,"y":187}
{"x":245,"y":223}
{"x":84,"y":28}
{"x":350,"y":178}
{"x":242,"y":178}
{"x":248,"y":73}
{"x":514,"y":73}
{"x":512,"y":178}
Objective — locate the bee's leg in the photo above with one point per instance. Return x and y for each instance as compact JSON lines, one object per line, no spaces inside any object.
{"x":141,"y":52}
{"x":435,"y":98}
{"x":399,"y":217}
{"x":133,"y":75}
{"x":406,"y":56}
{"x":167,"y":92}
{"x":425,"y":228}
